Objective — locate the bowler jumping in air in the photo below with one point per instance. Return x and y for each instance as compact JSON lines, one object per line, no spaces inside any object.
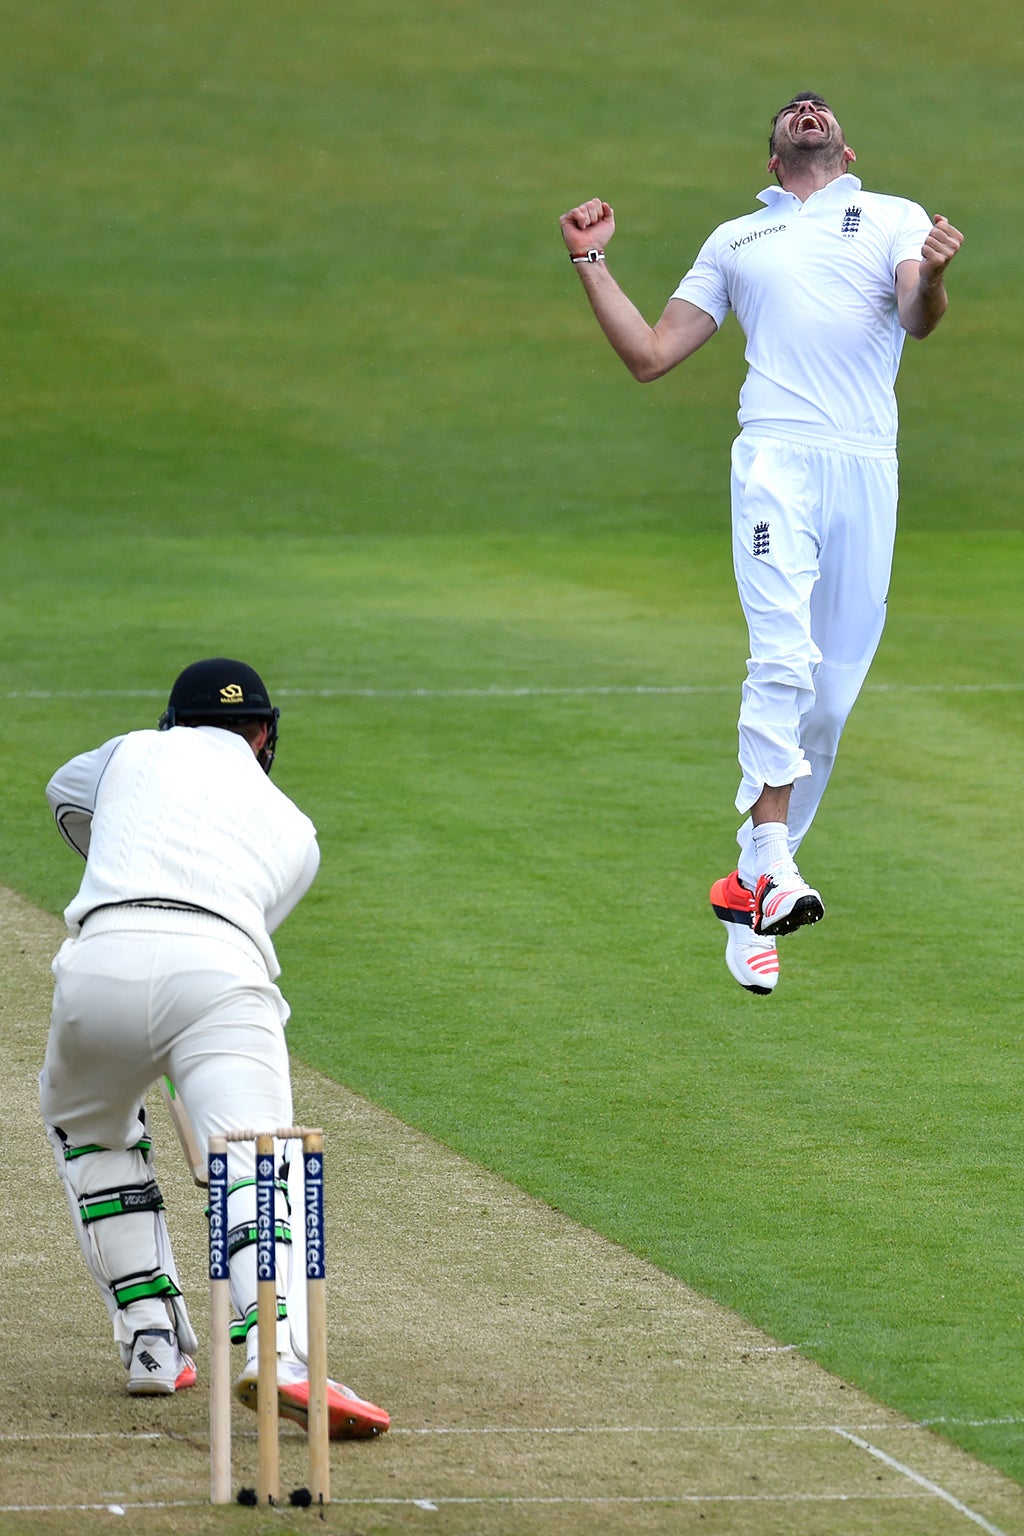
{"x":826,"y":281}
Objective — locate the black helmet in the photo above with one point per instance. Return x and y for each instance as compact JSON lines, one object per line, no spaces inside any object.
{"x":221,"y":692}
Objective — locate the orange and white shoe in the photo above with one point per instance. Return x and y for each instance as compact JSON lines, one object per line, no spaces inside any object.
{"x":752,"y":959}
{"x":784,"y":901}
{"x":349,"y":1417}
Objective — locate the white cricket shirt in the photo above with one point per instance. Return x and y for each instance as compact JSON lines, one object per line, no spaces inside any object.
{"x":812,"y":285}
{"x":185,"y":815}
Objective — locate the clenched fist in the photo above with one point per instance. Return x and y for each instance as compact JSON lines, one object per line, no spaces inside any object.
{"x":942,"y":244}
{"x":588,"y":225}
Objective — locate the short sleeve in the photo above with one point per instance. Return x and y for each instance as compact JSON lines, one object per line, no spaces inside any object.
{"x":910,"y":235}
{"x":705,"y":285}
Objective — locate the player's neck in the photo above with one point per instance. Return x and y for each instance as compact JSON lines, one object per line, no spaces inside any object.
{"x":804,"y":179}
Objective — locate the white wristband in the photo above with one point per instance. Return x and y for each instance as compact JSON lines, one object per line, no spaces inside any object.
{"x":594,"y":254}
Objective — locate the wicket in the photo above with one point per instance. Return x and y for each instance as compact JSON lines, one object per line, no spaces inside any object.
{"x":268,"y":1458}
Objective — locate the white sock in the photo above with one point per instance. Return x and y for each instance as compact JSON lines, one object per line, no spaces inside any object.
{"x":771,"y":845}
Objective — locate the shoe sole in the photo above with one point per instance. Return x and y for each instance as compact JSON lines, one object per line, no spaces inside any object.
{"x":805,"y":910}
{"x":151,"y":1388}
{"x":348,"y":1419}
{"x":159,"y":1386}
{"x":147,"y":1386}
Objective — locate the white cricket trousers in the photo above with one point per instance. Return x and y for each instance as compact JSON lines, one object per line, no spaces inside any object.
{"x":143,"y":992}
{"x":813,"y":534}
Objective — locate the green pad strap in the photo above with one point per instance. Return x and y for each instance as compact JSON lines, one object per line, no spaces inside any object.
{"x":132,"y":1288}
{"x":244,"y":1235}
{"x":241,"y":1326}
{"x":120,"y":1202}
{"x":280,"y":1184}
{"x":71,"y":1154}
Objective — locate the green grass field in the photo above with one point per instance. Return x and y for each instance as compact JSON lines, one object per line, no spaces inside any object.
{"x":294,"y":368}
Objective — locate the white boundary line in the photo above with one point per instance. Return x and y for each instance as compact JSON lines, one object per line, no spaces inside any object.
{"x":596,"y":690}
{"x":922,"y":1482}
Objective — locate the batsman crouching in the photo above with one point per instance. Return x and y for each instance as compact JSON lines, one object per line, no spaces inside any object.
{"x":193,"y":859}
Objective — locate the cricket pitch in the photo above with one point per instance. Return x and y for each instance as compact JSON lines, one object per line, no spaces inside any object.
{"x":540,"y":1379}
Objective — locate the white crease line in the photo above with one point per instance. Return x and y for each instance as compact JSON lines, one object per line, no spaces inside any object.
{"x":441,"y":1501}
{"x":922,"y":1482}
{"x":694,"y":1429}
{"x":80,"y":1434}
{"x":631,"y":1429}
{"x":25,"y":1437}
{"x":492,"y":691}
{"x":109,"y":1508}
{"x":776,"y":1349}
{"x":969,"y":1423}
{"x":496,"y":692}
{"x":928,"y":1487}
{"x":647,"y":1498}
